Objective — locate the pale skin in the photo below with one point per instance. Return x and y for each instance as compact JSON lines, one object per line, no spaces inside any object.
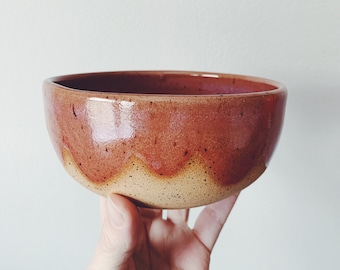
{"x":139,"y":238}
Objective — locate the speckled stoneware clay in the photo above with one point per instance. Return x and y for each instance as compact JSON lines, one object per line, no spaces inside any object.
{"x":164,"y":139}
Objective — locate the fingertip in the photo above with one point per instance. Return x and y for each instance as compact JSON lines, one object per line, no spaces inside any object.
{"x":116,"y":214}
{"x":121,"y":210}
{"x":119,"y":233}
{"x":212,"y":219}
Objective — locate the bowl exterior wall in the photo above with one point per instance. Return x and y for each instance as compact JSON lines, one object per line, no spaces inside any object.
{"x":221,"y":142}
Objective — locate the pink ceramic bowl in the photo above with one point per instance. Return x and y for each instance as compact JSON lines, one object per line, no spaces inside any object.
{"x":164,"y":139}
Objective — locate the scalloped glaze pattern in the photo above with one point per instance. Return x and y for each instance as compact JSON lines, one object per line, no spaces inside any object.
{"x":192,"y":185}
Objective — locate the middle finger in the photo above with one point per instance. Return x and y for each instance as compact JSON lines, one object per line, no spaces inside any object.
{"x":178,"y":216}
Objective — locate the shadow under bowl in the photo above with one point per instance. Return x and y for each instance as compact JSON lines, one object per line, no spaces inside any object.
{"x":165,"y":139}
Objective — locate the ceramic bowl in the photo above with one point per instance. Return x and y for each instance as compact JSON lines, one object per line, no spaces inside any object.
{"x":165,"y":139}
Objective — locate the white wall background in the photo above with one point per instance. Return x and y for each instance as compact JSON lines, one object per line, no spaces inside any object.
{"x":289,"y":219}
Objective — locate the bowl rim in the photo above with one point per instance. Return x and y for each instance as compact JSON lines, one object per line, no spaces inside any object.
{"x":279,"y":87}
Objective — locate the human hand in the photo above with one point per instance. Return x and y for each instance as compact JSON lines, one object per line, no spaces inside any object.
{"x":139,"y":238}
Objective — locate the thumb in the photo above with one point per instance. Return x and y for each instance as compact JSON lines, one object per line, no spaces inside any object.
{"x":119,"y":234}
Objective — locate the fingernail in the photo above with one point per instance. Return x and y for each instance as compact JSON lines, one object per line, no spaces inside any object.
{"x":115,"y":215}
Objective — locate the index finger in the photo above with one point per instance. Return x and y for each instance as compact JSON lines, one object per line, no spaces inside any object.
{"x":211,"y":220}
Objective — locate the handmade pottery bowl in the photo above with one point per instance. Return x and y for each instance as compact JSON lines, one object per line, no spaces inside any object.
{"x":164,"y":139}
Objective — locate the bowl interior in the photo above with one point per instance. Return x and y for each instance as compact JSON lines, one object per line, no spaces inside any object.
{"x":165,"y":83}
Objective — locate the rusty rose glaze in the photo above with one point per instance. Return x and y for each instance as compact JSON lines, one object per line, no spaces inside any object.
{"x":163,"y":119}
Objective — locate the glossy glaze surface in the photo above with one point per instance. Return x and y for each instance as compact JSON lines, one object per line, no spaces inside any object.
{"x":105,"y":122}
